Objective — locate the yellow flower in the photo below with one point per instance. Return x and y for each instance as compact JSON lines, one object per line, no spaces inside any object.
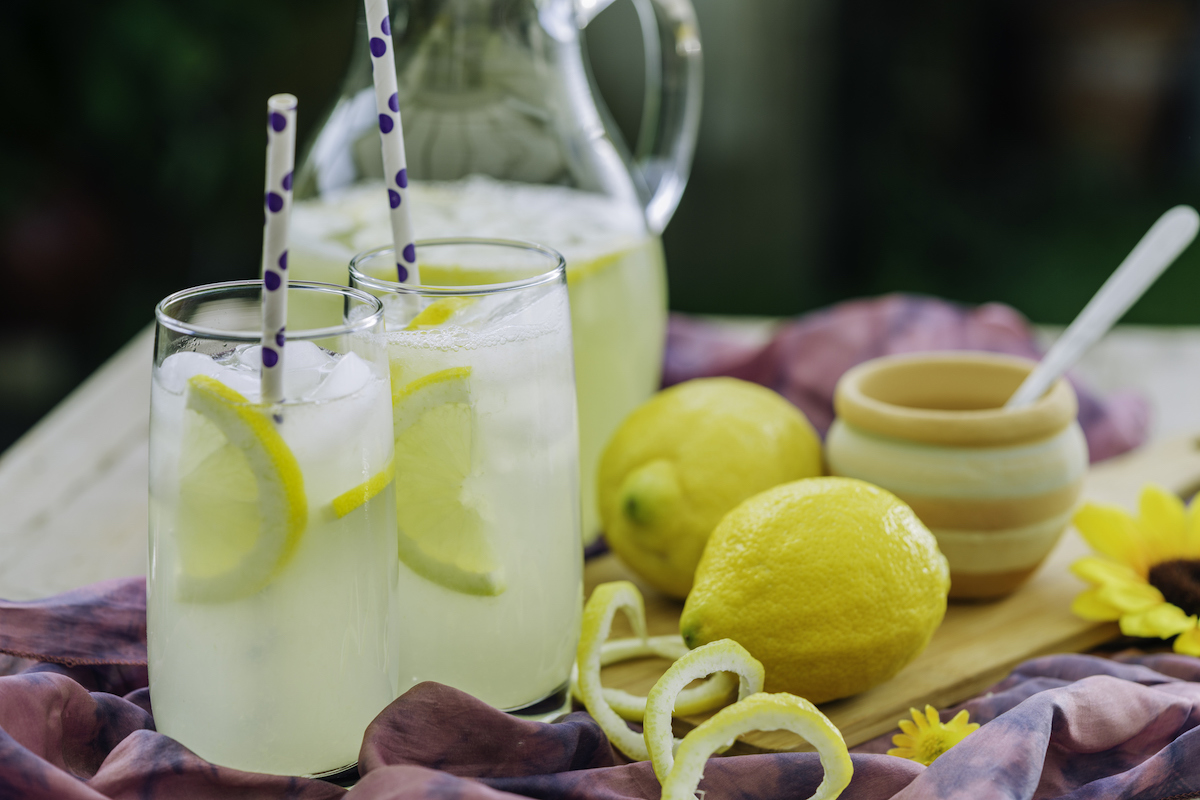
{"x":929,"y":737}
{"x":1147,"y":575}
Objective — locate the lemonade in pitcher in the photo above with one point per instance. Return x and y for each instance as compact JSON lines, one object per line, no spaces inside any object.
{"x":615,"y":276}
{"x":271,"y":603}
{"x":501,"y":88}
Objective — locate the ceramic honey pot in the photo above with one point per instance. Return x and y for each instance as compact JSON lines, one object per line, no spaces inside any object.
{"x":997,"y":486}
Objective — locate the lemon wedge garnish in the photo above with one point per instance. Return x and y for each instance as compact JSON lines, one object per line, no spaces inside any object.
{"x":761,"y":712}
{"x":720,"y":657}
{"x":437,"y":312}
{"x":347,"y":501}
{"x":580,"y":271}
{"x":442,"y":536}
{"x":242,"y":507}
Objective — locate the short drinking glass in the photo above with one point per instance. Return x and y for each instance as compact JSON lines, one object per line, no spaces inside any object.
{"x":272,"y":577}
{"x":487,"y":471}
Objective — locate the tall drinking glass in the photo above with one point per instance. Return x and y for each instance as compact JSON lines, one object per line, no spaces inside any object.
{"x":272,"y":578}
{"x":487,"y":471}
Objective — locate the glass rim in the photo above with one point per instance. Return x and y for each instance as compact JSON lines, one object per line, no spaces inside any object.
{"x":166,"y":320}
{"x":470,"y":290}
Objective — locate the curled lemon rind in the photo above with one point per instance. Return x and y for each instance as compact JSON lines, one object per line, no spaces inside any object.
{"x":720,"y":657}
{"x":598,"y":613}
{"x":761,"y":712}
{"x":710,"y":694}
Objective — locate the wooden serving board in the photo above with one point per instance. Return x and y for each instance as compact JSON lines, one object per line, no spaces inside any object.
{"x":977,"y":643}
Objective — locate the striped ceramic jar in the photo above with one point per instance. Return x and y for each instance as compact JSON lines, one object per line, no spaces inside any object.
{"x":996,"y":486}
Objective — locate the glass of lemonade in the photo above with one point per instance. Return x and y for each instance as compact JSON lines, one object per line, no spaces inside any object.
{"x":487,"y":469}
{"x":271,"y":599}
{"x":616,"y":278}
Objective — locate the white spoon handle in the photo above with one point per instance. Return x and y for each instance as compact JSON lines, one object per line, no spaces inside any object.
{"x":1161,"y":245}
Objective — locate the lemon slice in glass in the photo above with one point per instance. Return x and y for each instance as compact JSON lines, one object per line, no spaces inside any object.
{"x":442,"y":536}
{"x":437,"y":312}
{"x":761,"y":712}
{"x":348,"y":501}
{"x":242,"y":507}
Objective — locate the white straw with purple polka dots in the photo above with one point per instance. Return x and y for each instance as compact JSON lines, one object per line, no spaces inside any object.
{"x":391,"y":133}
{"x":281,"y":156}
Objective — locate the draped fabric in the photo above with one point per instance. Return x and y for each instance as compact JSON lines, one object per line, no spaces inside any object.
{"x":77,"y":722}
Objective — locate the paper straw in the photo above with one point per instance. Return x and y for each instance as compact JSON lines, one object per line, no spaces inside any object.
{"x":391,"y":134}
{"x":281,"y":156}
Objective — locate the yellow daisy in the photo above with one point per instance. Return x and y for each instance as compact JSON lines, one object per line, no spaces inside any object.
{"x":1147,"y":575}
{"x":927,"y":737}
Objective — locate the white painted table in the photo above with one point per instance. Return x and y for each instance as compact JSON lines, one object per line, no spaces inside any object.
{"x":73,"y":489}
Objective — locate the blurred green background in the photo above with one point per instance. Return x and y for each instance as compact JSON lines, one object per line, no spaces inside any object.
{"x":1010,"y":151}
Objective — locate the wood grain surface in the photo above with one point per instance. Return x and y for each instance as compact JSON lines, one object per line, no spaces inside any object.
{"x":74,"y":489}
{"x":977,"y":644}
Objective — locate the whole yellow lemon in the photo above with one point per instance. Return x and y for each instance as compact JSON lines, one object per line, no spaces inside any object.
{"x":832,"y":583}
{"x":687,"y":456}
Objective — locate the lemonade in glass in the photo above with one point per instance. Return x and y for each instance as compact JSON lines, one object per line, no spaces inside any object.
{"x":616,"y":278}
{"x":487,"y":481}
{"x":271,"y":599}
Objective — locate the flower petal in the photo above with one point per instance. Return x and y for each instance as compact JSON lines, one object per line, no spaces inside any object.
{"x":1192,"y":533}
{"x":1162,"y":622}
{"x":1112,"y":532}
{"x":1130,"y":597}
{"x":961,"y":725}
{"x":932,"y":715}
{"x":1188,"y":642}
{"x":1094,"y":569}
{"x":908,"y":727}
{"x":901,"y":740}
{"x":1163,"y":521}
{"x":1089,"y":605}
{"x":902,"y":752}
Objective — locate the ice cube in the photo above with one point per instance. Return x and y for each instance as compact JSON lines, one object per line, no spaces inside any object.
{"x":306,"y":356}
{"x":249,"y":357}
{"x":177,"y":368}
{"x":313,"y":222}
{"x":347,"y":377}
{"x":304,"y":367}
{"x":371,"y":235}
{"x":244,"y":382}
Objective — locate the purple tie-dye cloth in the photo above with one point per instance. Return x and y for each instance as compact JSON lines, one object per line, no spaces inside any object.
{"x":77,"y":724}
{"x":805,"y":358}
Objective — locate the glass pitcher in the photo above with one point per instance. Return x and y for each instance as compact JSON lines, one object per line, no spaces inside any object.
{"x":504,"y":138}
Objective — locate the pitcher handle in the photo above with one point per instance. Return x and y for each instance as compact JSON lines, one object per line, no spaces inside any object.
{"x":666,"y":141}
